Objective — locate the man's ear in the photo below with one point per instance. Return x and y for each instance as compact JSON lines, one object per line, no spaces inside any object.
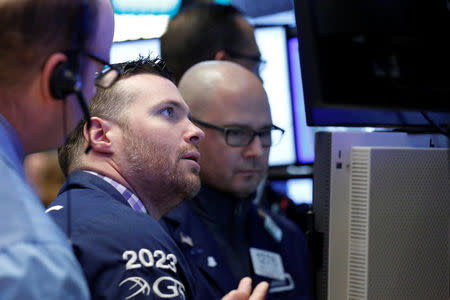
{"x":99,"y":134}
{"x":46,"y":75}
{"x":221,"y":55}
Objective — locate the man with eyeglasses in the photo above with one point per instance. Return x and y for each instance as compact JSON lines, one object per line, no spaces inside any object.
{"x":220,"y":230}
{"x":43,"y":81}
{"x":209,"y":31}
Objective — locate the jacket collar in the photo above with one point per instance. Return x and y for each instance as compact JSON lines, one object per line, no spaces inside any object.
{"x":84,"y":179}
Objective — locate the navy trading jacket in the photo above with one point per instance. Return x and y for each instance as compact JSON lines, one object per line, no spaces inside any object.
{"x":275,"y":248}
{"x":124,"y":254}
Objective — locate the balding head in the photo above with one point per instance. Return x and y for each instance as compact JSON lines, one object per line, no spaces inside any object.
{"x":212,"y":85}
{"x":225,"y":94}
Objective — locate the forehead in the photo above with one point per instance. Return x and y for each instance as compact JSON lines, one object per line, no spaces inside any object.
{"x":152,"y":90}
{"x":245,"y":107}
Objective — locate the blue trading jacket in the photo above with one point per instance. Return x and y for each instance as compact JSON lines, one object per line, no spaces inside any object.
{"x":199,"y":246}
{"x":124,"y":254}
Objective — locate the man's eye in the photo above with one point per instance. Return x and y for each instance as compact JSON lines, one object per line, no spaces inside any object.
{"x":265,"y":133}
{"x":237,"y":132}
{"x":169,"y":112}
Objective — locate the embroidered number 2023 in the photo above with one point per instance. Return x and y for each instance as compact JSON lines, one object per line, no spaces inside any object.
{"x":146,"y":258}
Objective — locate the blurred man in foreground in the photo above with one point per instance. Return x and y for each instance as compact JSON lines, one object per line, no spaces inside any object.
{"x":50,"y":51}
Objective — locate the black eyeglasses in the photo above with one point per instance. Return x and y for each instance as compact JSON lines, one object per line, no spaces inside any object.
{"x":106,"y":77}
{"x":243,"y":136}
{"x":108,"y":73}
{"x":259,"y":62}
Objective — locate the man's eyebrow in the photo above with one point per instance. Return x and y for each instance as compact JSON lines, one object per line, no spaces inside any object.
{"x":174,"y":103}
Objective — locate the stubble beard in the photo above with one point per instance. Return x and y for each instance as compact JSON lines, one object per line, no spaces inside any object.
{"x":150,"y":167}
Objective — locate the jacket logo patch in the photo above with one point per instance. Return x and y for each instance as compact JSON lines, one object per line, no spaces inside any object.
{"x":148,"y":259}
{"x":142,"y":286}
{"x":168,"y":287}
{"x":186,"y":239}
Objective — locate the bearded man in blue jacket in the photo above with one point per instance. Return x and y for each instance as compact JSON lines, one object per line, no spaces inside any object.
{"x":142,"y":161}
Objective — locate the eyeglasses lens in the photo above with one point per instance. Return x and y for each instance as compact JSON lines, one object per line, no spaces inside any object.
{"x":106,"y":77}
{"x":243,"y":137}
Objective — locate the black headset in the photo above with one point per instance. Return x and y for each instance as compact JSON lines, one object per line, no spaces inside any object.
{"x":65,"y":78}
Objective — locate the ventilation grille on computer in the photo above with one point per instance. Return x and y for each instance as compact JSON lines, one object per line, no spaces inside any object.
{"x":359,"y":230}
{"x":398,"y":243}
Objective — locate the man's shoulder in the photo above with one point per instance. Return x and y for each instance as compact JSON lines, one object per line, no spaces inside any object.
{"x":35,"y":268}
{"x":22,"y":217}
{"x":280,"y":220}
{"x":286,"y":223}
{"x":12,"y":179}
{"x":86,"y":196}
{"x":118,"y":247}
{"x":97,"y":214}
{"x":32,"y":243}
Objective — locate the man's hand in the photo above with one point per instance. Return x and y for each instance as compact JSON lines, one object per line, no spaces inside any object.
{"x":244,"y":291}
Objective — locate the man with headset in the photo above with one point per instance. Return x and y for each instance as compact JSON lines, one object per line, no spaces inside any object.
{"x":50,"y":51}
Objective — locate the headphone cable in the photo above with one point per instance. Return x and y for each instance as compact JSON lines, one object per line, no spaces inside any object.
{"x":87,"y":118}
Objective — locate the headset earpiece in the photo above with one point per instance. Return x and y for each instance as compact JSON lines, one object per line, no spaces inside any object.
{"x":64,"y":81}
{"x":65,"y":78}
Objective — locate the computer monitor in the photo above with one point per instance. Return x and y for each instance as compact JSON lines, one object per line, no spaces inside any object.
{"x":374,"y":63}
{"x":304,"y":133}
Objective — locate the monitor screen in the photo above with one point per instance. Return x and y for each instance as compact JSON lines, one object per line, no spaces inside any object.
{"x":374,"y":63}
{"x":272,"y":43}
{"x":304,"y":134}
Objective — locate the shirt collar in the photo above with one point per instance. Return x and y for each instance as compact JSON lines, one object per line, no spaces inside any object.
{"x":131,"y":198}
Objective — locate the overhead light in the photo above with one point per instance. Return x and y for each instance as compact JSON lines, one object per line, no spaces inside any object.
{"x":135,"y":27}
{"x":145,"y":7}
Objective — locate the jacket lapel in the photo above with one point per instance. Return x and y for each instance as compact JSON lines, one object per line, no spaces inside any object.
{"x":200,"y":248}
{"x":261,"y":238}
